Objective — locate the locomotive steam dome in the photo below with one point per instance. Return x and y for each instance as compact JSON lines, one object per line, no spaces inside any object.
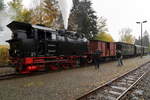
{"x":70,"y":35}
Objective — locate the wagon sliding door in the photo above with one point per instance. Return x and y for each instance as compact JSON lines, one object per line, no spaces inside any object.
{"x":108,"y":48}
{"x":112,"y":49}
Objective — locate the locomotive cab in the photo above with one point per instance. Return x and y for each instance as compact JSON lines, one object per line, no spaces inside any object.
{"x":21,"y":36}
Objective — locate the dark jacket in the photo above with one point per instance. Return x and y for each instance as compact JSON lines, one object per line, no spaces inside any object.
{"x":97,"y":54}
{"x":118,"y":54}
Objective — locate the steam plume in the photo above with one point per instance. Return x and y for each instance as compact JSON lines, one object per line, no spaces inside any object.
{"x":65,"y":7}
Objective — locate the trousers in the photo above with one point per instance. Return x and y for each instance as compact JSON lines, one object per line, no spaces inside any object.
{"x":96,"y":62}
{"x":120,"y":62}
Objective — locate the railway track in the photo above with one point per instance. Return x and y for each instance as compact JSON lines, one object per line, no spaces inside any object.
{"x":12,"y":75}
{"x":8,"y":76}
{"x":117,"y":88}
{"x":6,"y":72}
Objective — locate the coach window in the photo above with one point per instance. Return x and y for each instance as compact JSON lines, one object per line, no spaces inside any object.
{"x":21,"y":34}
{"x":48,"y":35}
{"x":53,"y":36}
{"x":41,"y":49}
{"x":41,"y":34}
{"x":30,"y":34}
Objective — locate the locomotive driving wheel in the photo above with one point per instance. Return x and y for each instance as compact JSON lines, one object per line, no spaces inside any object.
{"x":19,"y":67}
{"x":89,"y":60}
{"x":47,"y":68}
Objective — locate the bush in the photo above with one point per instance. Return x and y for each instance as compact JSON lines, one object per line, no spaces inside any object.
{"x":4,"y":54}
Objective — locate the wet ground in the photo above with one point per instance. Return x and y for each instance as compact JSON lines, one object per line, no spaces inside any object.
{"x":66,"y":84}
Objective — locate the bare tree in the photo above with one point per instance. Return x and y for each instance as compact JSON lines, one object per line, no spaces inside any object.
{"x":126,"y":36}
{"x":102,"y":25}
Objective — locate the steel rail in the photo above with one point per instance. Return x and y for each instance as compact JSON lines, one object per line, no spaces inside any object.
{"x":111,"y":81}
{"x":131,"y":86}
{"x":8,"y":76}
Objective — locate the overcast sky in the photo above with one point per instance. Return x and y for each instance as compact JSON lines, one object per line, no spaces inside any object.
{"x":120,"y":14}
{"x":123,"y":13}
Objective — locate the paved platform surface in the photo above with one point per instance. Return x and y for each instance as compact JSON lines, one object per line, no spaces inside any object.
{"x":67,"y":84}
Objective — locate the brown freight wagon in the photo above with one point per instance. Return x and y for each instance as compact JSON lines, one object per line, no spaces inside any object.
{"x":108,"y":49}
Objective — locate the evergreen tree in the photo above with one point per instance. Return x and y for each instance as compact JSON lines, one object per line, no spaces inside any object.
{"x":138,"y":41}
{"x":145,"y":40}
{"x":84,"y":18}
{"x":73,"y":19}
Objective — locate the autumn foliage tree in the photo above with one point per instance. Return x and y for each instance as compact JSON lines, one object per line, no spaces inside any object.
{"x":45,"y":14}
{"x":126,"y":36}
{"x":21,"y":14}
{"x":3,"y":53}
{"x":103,"y":36}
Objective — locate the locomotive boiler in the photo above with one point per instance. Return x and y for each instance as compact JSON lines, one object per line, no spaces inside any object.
{"x":35,"y":47}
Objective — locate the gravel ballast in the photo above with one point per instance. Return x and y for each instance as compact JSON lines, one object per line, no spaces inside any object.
{"x":141,"y":91}
{"x":66,"y":84}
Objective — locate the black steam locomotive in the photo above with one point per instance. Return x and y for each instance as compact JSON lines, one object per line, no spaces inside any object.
{"x":36,"y":47}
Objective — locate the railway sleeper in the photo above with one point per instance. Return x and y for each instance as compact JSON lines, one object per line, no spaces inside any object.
{"x":119,"y":88}
{"x":122,"y":84}
{"x":101,"y":96}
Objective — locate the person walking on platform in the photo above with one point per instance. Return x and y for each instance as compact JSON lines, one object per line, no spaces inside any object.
{"x":96,"y":58}
{"x":119,"y":57}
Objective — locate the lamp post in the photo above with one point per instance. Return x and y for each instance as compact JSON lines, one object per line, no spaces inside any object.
{"x":141,"y":35}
